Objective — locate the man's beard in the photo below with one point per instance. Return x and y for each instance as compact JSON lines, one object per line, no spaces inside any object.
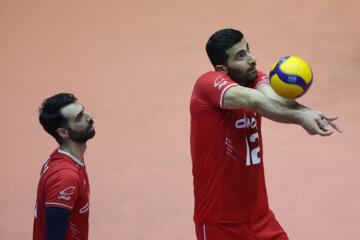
{"x":82,"y":136}
{"x":244,"y":80}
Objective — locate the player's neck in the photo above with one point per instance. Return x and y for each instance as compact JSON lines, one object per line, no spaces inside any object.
{"x":75,"y":149}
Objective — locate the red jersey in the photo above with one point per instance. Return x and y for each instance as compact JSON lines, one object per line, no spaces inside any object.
{"x":227,"y":154}
{"x":64,"y":184}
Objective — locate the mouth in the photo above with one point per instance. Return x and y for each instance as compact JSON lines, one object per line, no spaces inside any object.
{"x":91,"y":126}
{"x":252,"y":69}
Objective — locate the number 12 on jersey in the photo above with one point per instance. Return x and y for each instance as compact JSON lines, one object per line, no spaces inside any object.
{"x":252,"y":156}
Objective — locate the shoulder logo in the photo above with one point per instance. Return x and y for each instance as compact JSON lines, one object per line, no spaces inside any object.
{"x":264,"y":78}
{"x":219,"y":82}
{"x":65,"y":194}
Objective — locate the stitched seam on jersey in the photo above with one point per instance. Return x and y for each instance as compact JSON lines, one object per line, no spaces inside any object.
{"x":49,"y":203}
{"x":73,"y":158}
{"x":223,"y":92}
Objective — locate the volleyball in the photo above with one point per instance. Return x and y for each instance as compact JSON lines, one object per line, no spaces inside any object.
{"x":291,"y":77}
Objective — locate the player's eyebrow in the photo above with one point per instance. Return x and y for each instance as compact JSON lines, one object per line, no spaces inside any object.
{"x":242,"y":50}
{"x":78,"y":116}
{"x":239,"y":52}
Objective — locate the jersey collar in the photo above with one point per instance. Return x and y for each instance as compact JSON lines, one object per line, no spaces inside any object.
{"x":71,"y":156}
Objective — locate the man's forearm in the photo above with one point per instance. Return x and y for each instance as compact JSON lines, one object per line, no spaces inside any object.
{"x":291,"y":103}
{"x":290,"y":112}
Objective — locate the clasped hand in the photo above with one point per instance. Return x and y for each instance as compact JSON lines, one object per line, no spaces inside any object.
{"x":315,"y":122}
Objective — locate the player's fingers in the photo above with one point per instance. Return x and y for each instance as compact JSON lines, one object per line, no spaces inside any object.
{"x":324,"y":133}
{"x":323,"y":124}
{"x":336,"y":127}
{"x":315,"y":129}
{"x":328,"y":117}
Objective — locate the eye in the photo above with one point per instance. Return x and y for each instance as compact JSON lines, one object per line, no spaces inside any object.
{"x":240,"y":56}
{"x":79,"y":117}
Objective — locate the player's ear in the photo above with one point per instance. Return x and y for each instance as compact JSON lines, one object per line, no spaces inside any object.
{"x":221,"y":68}
{"x":62,"y":132}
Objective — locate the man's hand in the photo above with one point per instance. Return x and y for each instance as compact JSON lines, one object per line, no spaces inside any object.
{"x":315,"y":122}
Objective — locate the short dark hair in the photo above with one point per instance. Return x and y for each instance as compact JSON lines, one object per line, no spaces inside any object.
{"x":50,"y":116}
{"x":219,"y":42}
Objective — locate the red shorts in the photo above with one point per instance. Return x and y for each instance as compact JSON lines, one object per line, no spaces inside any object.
{"x":265,"y":227}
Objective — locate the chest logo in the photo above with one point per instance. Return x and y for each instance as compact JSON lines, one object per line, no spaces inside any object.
{"x":246,"y":122}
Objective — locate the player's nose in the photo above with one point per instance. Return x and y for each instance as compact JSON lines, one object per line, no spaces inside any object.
{"x":251,"y":59}
{"x":89,"y":116}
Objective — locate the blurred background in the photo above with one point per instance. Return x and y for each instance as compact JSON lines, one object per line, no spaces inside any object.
{"x":132,"y":64}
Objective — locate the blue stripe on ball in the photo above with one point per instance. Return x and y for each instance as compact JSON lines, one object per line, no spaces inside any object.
{"x":290,"y":79}
{"x":307,"y":86}
{"x":277,"y":66}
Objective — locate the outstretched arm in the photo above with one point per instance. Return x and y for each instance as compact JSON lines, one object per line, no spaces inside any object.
{"x":285,"y":112}
{"x":267,"y":90}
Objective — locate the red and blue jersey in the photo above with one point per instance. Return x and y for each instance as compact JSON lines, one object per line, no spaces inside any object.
{"x":64,"y":184}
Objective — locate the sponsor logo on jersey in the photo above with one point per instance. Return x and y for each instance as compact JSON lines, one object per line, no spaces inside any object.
{"x":219,"y":82}
{"x":66,"y":193}
{"x":246,"y":122}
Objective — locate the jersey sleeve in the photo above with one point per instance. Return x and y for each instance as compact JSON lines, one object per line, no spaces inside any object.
{"x":261,"y":78}
{"x":212,"y":87}
{"x":62,"y":189}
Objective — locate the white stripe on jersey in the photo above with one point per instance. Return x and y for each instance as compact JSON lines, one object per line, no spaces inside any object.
{"x":263,"y":81}
{"x":45,"y":166}
{"x":59,"y":204}
{"x":222,"y":94}
{"x":204,"y":232}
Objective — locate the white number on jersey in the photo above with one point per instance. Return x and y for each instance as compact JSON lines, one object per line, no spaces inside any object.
{"x":252,"y":156}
